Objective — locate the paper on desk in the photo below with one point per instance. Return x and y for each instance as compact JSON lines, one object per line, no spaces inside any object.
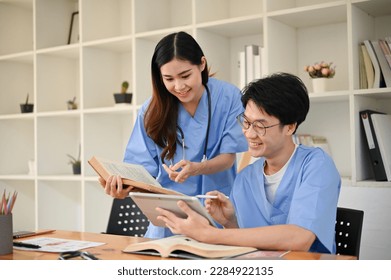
{"x":58,"y":245}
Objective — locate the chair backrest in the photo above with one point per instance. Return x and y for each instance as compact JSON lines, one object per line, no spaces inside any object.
{"x":126,"y":218}
{"x":348,"y":227}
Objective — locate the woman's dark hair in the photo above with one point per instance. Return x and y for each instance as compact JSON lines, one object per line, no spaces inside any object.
{"x":281,"y":95}
{"x":162,"y":113}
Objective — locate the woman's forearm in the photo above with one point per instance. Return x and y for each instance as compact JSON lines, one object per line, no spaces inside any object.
{"x":217,"y":164}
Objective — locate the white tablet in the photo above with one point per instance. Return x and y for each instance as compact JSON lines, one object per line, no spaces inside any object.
{"x":148,"y":202}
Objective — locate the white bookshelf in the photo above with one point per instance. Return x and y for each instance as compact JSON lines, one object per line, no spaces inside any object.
{"x":116,"y":42}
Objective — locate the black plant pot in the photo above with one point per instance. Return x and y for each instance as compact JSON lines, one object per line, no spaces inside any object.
{"x":123,"y":98}
{"x":27,"y":108}
{"x":76,"y":168}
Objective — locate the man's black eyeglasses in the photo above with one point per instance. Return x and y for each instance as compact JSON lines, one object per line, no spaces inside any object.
{"x":258,"y":126}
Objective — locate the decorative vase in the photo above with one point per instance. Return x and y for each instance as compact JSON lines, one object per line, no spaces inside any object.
{"x":319,"y":84}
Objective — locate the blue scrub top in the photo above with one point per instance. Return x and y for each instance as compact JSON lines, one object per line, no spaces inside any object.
{"x":307,"y":196}
{"x":225,"y":136}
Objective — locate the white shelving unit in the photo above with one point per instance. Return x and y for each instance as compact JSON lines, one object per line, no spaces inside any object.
{"x":116,"y":42}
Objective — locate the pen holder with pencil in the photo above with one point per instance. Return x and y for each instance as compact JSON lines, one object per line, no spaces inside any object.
{"x":6,"y":234}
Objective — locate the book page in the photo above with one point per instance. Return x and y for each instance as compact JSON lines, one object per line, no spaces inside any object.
{"x":58,"y":245}
{"x":132,"y":174}
{"x":131,"y":171}
{"x":173,"y":245}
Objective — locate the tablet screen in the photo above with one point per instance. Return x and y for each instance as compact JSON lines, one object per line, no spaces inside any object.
{"x":148,"y":202}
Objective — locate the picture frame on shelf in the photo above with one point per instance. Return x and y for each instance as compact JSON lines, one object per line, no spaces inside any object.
{"x":73,"y":36}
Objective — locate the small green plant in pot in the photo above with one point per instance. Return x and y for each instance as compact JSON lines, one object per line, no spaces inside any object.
{"x":27,"y":107}
{"x":76,"y":163}
{"x":71,"y":104}
{"x":123,"y":97}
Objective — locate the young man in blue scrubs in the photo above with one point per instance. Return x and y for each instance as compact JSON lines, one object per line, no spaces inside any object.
{"x":185,"y":135}
{"x":286,"y":200}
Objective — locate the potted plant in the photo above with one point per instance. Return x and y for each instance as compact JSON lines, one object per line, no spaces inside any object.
{"x":76,"y":163}
{"x":27,"y":107}
{"x":71,"y":104}
{"x":320,"y":73}
{"x":123,"y":97}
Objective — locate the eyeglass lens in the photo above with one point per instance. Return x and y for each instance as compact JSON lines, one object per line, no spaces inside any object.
{"x":258,"y":127}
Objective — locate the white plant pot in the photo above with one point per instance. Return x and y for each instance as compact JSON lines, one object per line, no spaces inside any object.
{"x":319,"y":84}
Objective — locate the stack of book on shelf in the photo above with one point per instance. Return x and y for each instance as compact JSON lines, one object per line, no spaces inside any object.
{"x":377,"y":129}
{"x":312,"y":141}
{"x":250,"y":64}
{"x":375,"y":63}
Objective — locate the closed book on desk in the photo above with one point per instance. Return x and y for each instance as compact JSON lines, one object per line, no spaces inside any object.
{"x":373,"y":146}
{"x":179,"y":246}
{"x":382,"y":127}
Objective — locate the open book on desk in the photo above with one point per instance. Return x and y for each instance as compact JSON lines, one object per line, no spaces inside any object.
{"x":179,"y":246}
{"x":132,"y":175}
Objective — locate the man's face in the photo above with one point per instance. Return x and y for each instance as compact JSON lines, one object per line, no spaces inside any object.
{"x":268,"y":138}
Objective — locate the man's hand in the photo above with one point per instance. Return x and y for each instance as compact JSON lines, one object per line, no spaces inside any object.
{"x":221,"y":209}
{"x":192,"y":226}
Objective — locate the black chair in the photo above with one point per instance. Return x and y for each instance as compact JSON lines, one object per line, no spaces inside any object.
{"x":126,"y":218}
{"x":348,"y":228}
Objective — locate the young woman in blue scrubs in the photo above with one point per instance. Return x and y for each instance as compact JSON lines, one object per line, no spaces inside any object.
{"x":286,"y":200}
{"x":186,"y":135}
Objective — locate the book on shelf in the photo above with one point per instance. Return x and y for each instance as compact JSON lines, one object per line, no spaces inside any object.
{"x":386,"y":49}
{"x":377,"y":164}
{"x":242,"y":70}
{"x":250,"y":52}
{"x":384,"y":66}
{"x":369,"y":70}
{"x":180,"y":246}
{"x":382,"y":129}
{"x":132,"y":175}
{"x":362,"y":72}
{"x":388,"y":41}
{"x":259,"y":63}
{"x":251,"y":64}
{"x":312,"y":141}
{"x":378,"y":77}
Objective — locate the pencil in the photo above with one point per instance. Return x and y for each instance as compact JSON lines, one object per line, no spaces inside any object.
{"x":13,"y":201}
{"x":4,"y":205}
{"x":208,"y":196}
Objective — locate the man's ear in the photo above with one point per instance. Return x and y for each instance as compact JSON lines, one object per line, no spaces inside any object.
{"x":291,"y":128}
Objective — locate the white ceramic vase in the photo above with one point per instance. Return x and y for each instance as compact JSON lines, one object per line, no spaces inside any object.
{"x":319,"y":84}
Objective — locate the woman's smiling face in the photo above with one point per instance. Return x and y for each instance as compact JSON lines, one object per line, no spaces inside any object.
{"x":183,"y":79}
